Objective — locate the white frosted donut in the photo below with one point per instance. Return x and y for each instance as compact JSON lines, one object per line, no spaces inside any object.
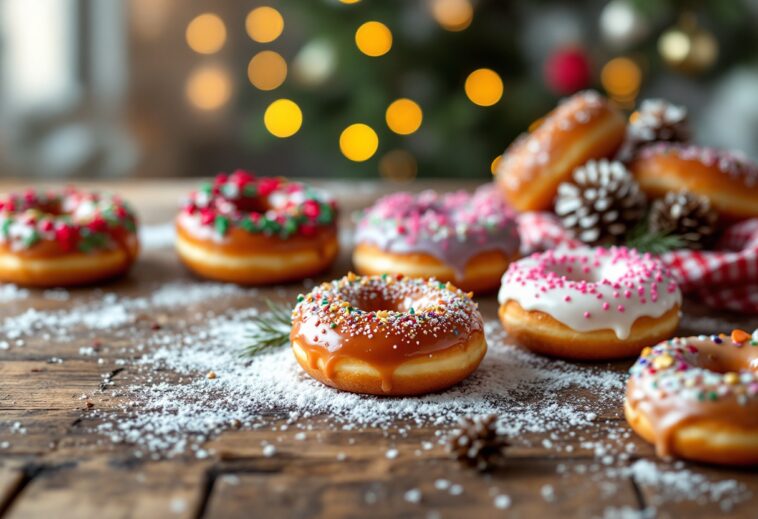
{"x":590,"y":303}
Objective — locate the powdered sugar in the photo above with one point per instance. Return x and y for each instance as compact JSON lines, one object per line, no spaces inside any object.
{"x":156,"y":237}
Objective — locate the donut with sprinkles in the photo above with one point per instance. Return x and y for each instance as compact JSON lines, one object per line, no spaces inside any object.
{"x":468,"y":239}
{"x":697,"y":398}
{"x":589,"y":304}
{"x":583,"y":127}
{"x":728,"y":179}
{"x":387,"y":335}
{"x":257,"y":230}
{"x":65,"y":238}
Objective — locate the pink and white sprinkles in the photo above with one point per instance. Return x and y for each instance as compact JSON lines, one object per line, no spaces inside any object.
{"x":453,"y":227}
{"x":592,"y":289}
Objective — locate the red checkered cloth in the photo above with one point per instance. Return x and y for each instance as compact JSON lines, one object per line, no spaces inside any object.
{"x":724,"y":278}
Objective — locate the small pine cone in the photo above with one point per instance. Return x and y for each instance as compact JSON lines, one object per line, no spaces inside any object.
{"x":601,"y":203}
{"x":686,"y":215}
{"x":656,"y":120}
{"x":477,"y":443}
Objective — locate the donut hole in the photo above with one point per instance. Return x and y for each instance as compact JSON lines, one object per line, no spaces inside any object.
{"x":578,"y":274}
{"x":377,"y":302}
{"x":722,"y":363}
{"x":252,"y":204}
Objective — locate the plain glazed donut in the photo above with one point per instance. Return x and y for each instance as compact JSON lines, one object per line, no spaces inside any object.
{"x":466,"y":239}
{"x":583,"y":127}
{"x":730,"y":181}
{"x":387,"y":335}
{"x":589,"y":304}
{"x":697,"y":398}
{"x":65,"y":238}
{"x":249,"y":230}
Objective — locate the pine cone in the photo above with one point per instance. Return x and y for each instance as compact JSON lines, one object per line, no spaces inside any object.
{"x":686,"y":215}
{"x":656,"y":120}
{"x":477,"y":443}
{"x":601,"y":203}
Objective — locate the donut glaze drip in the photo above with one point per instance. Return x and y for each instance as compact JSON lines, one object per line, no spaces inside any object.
{"x":452,"y":227}
{"x":592,"y":289}
{"x":705,"y":377}
{"x":382,"y":321}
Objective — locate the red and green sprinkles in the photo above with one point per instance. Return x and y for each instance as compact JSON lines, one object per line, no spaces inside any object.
{"x":671,"y":369}
{"x":74,"y":220}
{"x":260,"y":205}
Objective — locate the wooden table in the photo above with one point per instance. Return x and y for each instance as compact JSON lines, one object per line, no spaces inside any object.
{"x":59,"y":467}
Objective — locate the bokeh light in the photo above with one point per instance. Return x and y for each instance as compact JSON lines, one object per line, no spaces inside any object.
{"x":209,"y":87}
{"x":373,"y":39}
{"x":404,"y":116}
{"x":398,"y":166}
{"x":349,"y":1}
{"x":495,"y":163}
{"x":283,"y":118}
{"x":359,"y":142}
{"x":267,"y":70}
{"x":621,"y":78}
{"x":315,"y":62}
{"x":206,"y":33}
{"x":453,"y":15}
{"x":484,"y":87}
{"x":264,"y":24}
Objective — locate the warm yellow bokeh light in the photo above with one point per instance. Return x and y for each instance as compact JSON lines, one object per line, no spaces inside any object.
{"x":283,"y":118}
{"x":495,"y":164}
{"x":359,"y":142}
{"x":373,"y":39}
{"x":453,"y":15}
{"x":267,"y":70}
{"x":209,"y":88}
{"x":206,"y":33}
{"x":350,"y":1}
{"x":404,"y":116}
{"x":264,"y":24}
{"x":621,"y":77}
{"x":484,"y":87}
{"x":398,"y":166}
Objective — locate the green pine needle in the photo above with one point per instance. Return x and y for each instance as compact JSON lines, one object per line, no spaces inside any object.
{"x":269,"y":330}
{"x":644,"y":240}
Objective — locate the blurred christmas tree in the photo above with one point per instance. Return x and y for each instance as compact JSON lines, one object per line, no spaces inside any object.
{"x":470,"y":75}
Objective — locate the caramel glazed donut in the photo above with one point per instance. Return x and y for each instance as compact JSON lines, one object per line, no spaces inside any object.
{"x":387,"y":335}
{"x":730,"y":181}
{"x":466,"y":239}
{"x":65,"y":238}
{"x":589,"y":304}
{"x":583,"y":127}
{"x":249,"y":230}
{"x":697,"y":398}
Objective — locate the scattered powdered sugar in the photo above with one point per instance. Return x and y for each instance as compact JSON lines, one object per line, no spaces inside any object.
{"x":12,"y":293}
{"x":155,"y":237}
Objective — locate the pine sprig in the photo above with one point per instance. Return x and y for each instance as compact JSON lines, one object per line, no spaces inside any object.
{"x":645,"y":240}
{"x":269,"y":330}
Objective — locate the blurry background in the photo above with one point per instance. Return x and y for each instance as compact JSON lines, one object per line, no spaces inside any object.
{"x":351,"y":88}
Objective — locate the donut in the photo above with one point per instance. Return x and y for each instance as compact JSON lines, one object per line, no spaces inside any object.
{"x":589,"y":304}
{"x":387,"y":335}
{"x":256,"y":230}
{"x":458,"y":237}
{"x":65,"y":238}
{"x":729,"y":180}
{"x":583,"y":127}
{"x":697,"y":398}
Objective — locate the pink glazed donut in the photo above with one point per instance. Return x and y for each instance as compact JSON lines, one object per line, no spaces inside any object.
{"x":465,"y":239}
{"x":589,"y":304}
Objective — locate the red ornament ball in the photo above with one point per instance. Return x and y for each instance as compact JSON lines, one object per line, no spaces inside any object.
{"x":568,"y":70}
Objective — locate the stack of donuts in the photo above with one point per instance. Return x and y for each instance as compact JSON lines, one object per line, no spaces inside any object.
{"x":407,"y":322}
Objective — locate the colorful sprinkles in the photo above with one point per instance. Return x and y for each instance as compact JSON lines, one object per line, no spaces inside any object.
{"x":407,"y":309}
{"x":72,"y":219}
{"x":674,"y":369}
{"x":271,"y":206}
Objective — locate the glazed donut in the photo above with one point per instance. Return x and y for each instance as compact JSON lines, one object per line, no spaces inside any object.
{"x":730,"y":181}
{"x":387,"y":335}
{"x":65,"y":238}
{"x":466,"y":239}
{"x":589,"y":304}
{"x":583,"y":127}
{"x":697,"y":398}
{"x":251,"y":231}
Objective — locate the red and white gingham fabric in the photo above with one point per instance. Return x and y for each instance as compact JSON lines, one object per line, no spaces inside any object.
{"x":724,"y":278}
